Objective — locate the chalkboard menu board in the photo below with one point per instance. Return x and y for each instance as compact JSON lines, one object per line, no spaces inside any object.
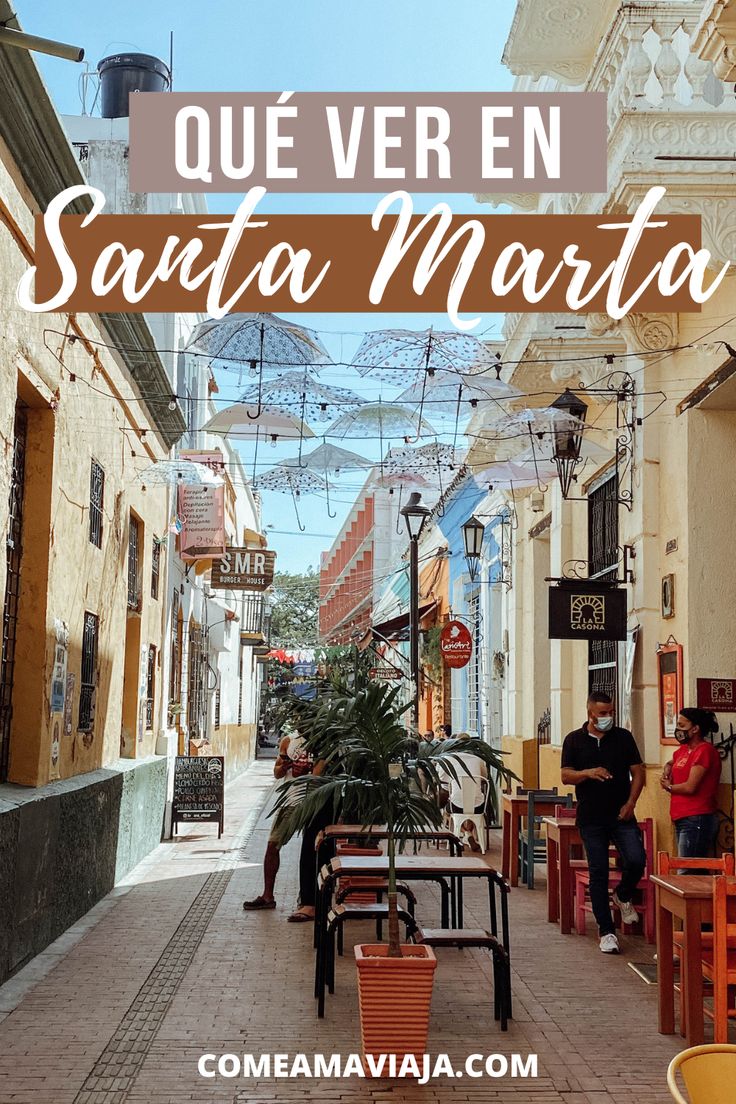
{"x":199,"y":790}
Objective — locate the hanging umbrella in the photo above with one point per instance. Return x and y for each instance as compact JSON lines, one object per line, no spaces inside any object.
{"x":543,"y":451}
{"x":444,"y":392}
{"x":432,"y":455}
{"x":265,"y":342}
{"x":174,"y":473}
{"x":299,"y":393}
{"x":246,"y":423}
{"x":329,"y":460}
{"x":508,"y":473}
{"x":397,"y":355}
{"x":382,"y":420}
{"x":291,"y":479}
{"x":538,"y":420}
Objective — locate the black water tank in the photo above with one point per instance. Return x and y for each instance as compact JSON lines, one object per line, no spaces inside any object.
{"x":121,"y":74}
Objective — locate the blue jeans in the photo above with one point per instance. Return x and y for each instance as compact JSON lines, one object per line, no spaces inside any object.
{"x":625,"y":835}
{"x":696,"y":835}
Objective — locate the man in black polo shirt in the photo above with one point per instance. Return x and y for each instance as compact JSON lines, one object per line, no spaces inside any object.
{"x":603,"y":763}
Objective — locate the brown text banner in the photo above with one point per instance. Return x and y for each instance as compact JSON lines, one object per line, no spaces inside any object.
{"x":135,"y":263}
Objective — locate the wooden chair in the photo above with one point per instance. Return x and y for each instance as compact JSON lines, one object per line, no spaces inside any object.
{"x":719,"y":961}
{"x":522,"y":842}
{"x":532,"y":843}
{"x":645,"y":906}
{"x":673,"y":864}
{"x":709,"y":1073}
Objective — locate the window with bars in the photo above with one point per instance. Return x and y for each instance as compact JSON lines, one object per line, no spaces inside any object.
{"x":133,"y":563}
{"x":175,"y":669}
{"x":217,"y":707}
{"x":88,"y":681}
{"x":96,"y":502}
{"x":155,"y":567}
{"x":603,"y":564}
{"x":150,"y":685}
{"x":474,"y":665}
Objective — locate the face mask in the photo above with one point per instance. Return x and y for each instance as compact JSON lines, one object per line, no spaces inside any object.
{"x":603,"y":724}
{"x":683,"y":735}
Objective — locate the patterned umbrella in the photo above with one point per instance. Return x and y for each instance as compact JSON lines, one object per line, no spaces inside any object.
{"x":172,"y":473}
{"x":259,"y":340}
{"x":293,"y":480}
{"x":396,"y":356}
{"x":507,"y":473}
{"x":536,"y":421}
{"x":382,"y":420}
{"x":300,"y":394}
{"x":426,"y":457}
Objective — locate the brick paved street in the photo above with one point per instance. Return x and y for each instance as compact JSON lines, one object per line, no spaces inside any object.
{"x":168,"y":967}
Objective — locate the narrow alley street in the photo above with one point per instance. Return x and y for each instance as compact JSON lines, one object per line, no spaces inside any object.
{"x":168,"y":967}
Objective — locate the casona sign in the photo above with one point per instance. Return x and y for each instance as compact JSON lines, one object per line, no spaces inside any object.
{"x":243,"y":569}
{"x":586,"y":611}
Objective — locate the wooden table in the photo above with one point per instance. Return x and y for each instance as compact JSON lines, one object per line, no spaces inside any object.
{"x":690,"y":898}
{"x":515,"y":807}
{"x":562,"y":835}
{"x":329,"y":836}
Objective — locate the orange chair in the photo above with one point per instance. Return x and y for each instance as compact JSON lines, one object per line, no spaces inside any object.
{"x":719,"y":961}
{"x":645,"y":891}
{"x":709,"y":1073}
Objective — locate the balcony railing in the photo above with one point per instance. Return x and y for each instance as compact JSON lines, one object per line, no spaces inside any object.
{"x":253,"y":615}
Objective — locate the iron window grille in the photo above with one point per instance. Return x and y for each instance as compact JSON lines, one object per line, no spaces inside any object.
{"x":133,"y":565}
{"x":253,"y":614}
{"x":217,"y":707}
{"x":96,"y":502}
{"x":474,"y":670}
{"x":603,"y":553}
{"x":155,"y":567}
{"x":90,"y":636}
{"x":150,"y":685}
{"x":197,"y":703}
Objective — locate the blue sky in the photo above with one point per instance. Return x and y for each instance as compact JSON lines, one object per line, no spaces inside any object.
{"x":302,"y":45}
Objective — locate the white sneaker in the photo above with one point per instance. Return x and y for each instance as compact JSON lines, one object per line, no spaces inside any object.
{"x":629,"y":915}
{"x":609,"y":944}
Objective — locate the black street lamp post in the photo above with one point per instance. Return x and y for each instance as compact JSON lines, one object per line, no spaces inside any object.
{"x":415,"y":514}
{"x":473,"y":540}
{"x":568,"y":436}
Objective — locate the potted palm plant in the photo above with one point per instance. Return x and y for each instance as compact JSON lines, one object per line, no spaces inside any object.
{"x":383,"y":774}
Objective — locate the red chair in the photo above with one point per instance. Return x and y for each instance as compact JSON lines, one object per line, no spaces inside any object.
{"x":644,"y":903}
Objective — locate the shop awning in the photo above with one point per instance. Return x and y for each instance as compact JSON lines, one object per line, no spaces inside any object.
{"x":397,"y":628}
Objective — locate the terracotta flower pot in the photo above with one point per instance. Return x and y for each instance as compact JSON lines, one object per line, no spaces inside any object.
{"x":395,"y":995}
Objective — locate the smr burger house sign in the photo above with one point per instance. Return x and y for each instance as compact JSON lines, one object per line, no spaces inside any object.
{"x":243,"y":569}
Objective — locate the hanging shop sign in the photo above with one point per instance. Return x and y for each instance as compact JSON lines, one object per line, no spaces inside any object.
{"x":385,"y":674}
{"x":669,"y":667}
{"x":199,"y":790}
{"x":456,"y":644}
{"x":586,"y":611}
{"x":243,"y":569}
{"x":718,"y":694}
{"x":201,"y":511}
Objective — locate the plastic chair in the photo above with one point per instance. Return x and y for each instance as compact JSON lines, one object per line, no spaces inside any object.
{"x":532,"y":844}
{"x":708,"y":1071}
{"x":478,"y":820}
{"x":645,"y":901}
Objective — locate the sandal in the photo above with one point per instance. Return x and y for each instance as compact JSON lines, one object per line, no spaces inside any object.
{"x":258,"y":903}
{"x":299,"y":918}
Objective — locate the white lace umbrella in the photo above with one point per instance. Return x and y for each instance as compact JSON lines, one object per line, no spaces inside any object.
{"x":329,"y":460}
{"x":432,"y":455}
{"x":508,"y":473}
{"x":289,"y":478}
{"x":260,"y":341}
{"x":445,"y":394}
{"x":382,"y":420}
{"x":396,"y":356}
{"x":539,"y":420}
{"x":173,"y":473}
{"x":300,"y":394}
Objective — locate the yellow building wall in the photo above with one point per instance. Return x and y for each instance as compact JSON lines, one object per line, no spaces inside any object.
{"x":98,"y":414}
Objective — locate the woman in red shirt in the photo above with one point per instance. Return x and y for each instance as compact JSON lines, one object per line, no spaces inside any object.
{"x":692,"y":778}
